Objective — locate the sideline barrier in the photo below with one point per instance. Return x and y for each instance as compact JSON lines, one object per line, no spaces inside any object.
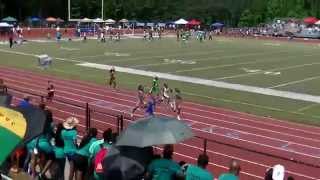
{"x":118,"y":119}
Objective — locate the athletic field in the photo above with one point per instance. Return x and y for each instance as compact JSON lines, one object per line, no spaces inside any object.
{"x":263,"y":77}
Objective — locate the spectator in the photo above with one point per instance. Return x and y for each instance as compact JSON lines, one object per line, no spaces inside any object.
{"x":3,"y":88}
{"x":105,"y":142}
{"x":275,"y":173}
{"x":164,"y":168}
{"x":69,"y":137}
{"x":100,"y":148}
{"x":25,"y":102}
{"x":82,"y":155}
{"x":234,"y":171}
{"x":199,"y":172}
{"x":58,"y":150}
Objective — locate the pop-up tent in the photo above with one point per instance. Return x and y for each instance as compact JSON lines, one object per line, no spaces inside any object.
{"x":181,"y":22}
{"x":110,"y":21}
{"x":194,"y":22}
{"x":51,"y":19}
{"x":5,"y":25}
{"x":310,"y":20}
{"x":98,"y":20}
{"x":9,"y":19}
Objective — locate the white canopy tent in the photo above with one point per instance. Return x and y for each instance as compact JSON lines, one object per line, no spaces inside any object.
{"x":98,"y":20}
{"x":110,"y":21}
{"x":318,"y":22}
{"x":86,"y":20}
{"x":181,"y":22}
{"x":5,"y":25}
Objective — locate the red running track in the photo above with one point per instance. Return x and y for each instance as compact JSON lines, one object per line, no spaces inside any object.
{"x":256,"y":134}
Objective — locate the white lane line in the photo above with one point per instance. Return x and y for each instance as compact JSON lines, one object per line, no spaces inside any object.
{"x":211,"y":112}
{"x":230,"y":65}
{"x":248,"y":141}
{"x":274,"y":69}
{"x":295,"y":82}
{"x":307,"y":107}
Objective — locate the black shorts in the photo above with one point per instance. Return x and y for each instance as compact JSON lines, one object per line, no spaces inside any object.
{"x":50,"y":95}
{"x":80,"y":163}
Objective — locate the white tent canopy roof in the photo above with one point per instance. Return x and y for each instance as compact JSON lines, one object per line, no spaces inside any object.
{"x":86,"y":20}
{"x":181,"y":21}
{"x":98,"y":20}
{"x":4,"y":24}
{"x":110,"y":21}
{"x":318,"y":22}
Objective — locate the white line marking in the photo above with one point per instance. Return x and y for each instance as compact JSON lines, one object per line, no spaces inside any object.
{"x":274,"y":69}
{"x":295,"y":82}
{"x":307,"y":107}
{"x":219,"y":84}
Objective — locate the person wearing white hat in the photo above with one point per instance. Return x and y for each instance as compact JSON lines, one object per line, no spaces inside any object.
{"x":277,"y":172}
{"x":69,"y":137}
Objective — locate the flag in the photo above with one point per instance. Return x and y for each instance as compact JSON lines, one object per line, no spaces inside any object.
{"x":13,"y":127}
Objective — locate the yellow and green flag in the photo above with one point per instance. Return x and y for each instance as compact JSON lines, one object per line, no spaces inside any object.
{"x":13,"y":127}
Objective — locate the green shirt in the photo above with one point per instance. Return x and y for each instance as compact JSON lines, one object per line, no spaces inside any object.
{"x":196,"y":173}
{"x":44,"y":144}
{"x":69,"y":138}
{"x":84,"y":151}
{"x":59,"y":152}
{"x":31,"y":145}
{"x":228,"y":176}
{"x":163,"y":169}
{"x":96,"y":147}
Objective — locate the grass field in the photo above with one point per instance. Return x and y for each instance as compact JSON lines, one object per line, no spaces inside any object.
{"x":286,"y":66}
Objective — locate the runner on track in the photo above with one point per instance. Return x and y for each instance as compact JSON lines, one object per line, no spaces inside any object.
{"x":140,"y":100}
{"x":155,"y":89}
{"x":112,"y":80}
{"x":177,"y":101}
{"x":166,"y":93}
{"x":51,"y":91}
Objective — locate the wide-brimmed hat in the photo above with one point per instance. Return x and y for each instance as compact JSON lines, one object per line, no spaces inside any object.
{"x":70,"y":122}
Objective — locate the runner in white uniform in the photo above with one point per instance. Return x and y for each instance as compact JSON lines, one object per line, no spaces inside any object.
{"x":165,"y":94}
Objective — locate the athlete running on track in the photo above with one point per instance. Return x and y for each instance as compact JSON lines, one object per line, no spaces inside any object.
{"x":140,"y":100}
{"x":177,"y":103}
{"x":155,"y":90}
{"x":165,"y":94}
{"x":51,"y":91}
{"x":112,"y":80}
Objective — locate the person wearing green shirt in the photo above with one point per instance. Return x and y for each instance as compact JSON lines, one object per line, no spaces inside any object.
{"x":155,"y":89}
{"x":199,"y":172}
{"x":69,"y":137}
{"x":164,"y":168}
{"x":81,"y":158}
{"x":96,"y":146}
{"x":233,"y":173}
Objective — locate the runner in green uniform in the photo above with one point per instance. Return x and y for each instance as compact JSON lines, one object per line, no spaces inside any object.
{"x":155,"y":89}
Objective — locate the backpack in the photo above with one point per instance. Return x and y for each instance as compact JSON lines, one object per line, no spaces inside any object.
{"x":99,"y":159}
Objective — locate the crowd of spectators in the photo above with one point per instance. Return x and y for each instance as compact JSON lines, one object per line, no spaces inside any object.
{"x":61,"y":153}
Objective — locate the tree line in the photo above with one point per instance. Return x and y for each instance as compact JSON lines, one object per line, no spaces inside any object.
{"x":230,"y":12}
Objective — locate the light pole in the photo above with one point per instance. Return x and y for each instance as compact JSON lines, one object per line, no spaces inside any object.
{"x":102,"y":4}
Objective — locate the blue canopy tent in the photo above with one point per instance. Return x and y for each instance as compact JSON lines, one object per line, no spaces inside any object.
{"x":35,"y":19}
{"x":217,"y":25}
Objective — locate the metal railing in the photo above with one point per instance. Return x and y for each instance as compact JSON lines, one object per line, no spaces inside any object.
{"x":120,"y":117}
